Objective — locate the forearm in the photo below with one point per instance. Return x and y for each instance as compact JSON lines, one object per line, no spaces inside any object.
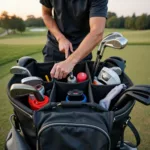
{"x":87,"y":45}
{"x":52,"y":26}
{"x":97,"y":26}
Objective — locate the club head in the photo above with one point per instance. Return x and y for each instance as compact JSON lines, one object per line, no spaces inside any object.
{"x":104,"y":43}
{"x":20,"y":70}
{"x":33,"y":81}
{"x":140,"y":93}
{"x":23,"y":89}
{"x":118,"y":43}
{"x":113,"y":35}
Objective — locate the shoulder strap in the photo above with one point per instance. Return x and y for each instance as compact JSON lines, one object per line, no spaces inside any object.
{"x":133,"y":129}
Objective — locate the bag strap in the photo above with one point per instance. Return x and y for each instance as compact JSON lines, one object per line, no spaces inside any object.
{"x":14,"y":122}
{"x":133,"y":129}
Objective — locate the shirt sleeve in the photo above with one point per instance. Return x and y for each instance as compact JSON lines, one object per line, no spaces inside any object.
{"x":46,"y":3}
{"x":98,"y":8}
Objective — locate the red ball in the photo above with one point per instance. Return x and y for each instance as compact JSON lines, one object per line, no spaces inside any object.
{"x":81,"y":77}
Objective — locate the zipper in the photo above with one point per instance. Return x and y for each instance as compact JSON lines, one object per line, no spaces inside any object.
{"x":29,"y":115}
{"x":73,"y":124}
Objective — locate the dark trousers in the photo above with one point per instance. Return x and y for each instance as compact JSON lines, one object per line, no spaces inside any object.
{"x":52,"y":53}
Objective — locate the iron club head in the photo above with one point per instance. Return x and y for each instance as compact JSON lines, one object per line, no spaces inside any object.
{"x":20,"y":70}
{"x":23,"y":89}
{"x":33,"y":81}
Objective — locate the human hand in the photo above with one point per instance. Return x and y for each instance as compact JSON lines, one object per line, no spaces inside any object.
{"x":62,"y":69}
{"x":64,"y":46}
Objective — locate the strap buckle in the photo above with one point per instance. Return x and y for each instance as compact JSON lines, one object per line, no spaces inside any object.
{"x":127,"y":121}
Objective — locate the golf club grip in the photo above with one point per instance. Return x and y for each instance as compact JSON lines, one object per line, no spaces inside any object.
{"x":69,"y":53}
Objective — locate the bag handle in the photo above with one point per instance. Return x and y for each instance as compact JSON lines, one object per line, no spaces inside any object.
{"x":134,"y":130}
{"x":65,"y":104}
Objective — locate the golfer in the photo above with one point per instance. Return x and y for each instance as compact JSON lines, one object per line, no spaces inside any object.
{"x":77,"y":27}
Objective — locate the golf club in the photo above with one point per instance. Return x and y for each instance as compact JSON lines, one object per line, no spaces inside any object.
{"x":118,"y":43}
{"x":140,"y":93}
{"x":113,"y":35}
{"x":25,"y":60}
{"x":71,"y":78}
{"x":33,"y":81}
{"x":23,"y":89}
{"x":20,"y":70}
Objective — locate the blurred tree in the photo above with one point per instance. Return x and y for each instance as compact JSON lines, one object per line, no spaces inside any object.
{"x":142,"y":22}
{"x":111,"y":14}
{"x":31,"y":21}
{"x":148,"y":17}
{"x":130,"y":23}
{"x":20,"y":25}
{"x":5,"y":21}
{"x":13,"y":23}
{"x":122,"y":22}
{"x":113,"y":22}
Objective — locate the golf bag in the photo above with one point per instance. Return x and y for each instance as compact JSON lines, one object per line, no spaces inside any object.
{"x":62,"y":125}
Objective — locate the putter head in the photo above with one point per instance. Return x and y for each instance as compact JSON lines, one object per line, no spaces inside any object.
{"x":113,"y":35}
{"x":20,"y":70}
{"x":23,"y":89}
{"x":118,"y":43}
{"x":33,"y":81}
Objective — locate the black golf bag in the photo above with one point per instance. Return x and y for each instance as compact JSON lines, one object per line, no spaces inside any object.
{"x":62,"y":125}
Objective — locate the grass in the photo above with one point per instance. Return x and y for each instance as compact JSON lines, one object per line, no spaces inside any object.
{"x":38,"y":38}
{"x":137,"y":55}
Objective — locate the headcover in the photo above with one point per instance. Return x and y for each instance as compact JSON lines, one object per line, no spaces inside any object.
{"x":108,"y":76}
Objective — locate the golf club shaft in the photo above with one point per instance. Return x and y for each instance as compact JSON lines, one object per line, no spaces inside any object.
{"x":99,"y":57}
{"x":98,"y":52}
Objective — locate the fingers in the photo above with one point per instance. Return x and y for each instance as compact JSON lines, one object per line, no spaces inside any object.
{"x":65,"y":74}
{"x":71,"y":48}
{"x":66,"y":52}
{"x":52,"y":73}
{"x":58,"y":73}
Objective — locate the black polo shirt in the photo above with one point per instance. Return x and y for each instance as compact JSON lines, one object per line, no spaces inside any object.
{"x":72,"y":17}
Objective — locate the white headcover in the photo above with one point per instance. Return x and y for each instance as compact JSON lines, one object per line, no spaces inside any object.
{"x":109,"y":76}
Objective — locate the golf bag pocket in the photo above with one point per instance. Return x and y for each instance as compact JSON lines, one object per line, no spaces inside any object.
{"x":100,"y":92}
{"x":79,"y":68}
{"x":60,"y":92}
{"x":90,"y":65}
{"x":73,"y":128}
{"x":15,"y":140}
{"x":44,"y":69}
{"x":41,"y":70}
{"x":113,"y":79}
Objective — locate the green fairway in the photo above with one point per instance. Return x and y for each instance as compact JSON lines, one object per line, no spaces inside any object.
{"x":136,"y":54}
{"x":32,"y":38}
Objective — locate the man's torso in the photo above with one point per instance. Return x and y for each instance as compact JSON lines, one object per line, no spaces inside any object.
{"x":72,"y":18}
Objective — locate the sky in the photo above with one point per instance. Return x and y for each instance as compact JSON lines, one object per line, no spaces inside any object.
{"x":120,"y":7}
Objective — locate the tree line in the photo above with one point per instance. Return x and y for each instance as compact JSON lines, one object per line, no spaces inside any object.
{"x":131,"y":22}
{"x":16,"y":23}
